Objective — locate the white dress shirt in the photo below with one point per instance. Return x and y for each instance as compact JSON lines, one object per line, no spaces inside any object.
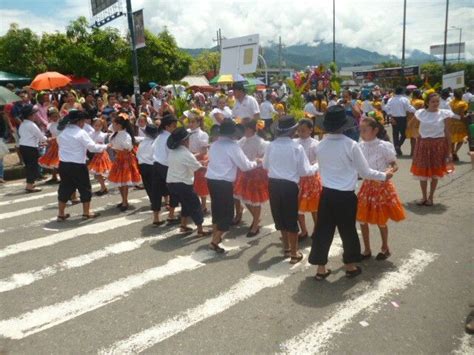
{"x":379,"y":153}
{"x":399,"y":106}
{"x":74,"y":143}
{"x":311,"y":109}
{"x":340,"y":160}
{"x":30,"y":134}
{"x":432,"y":123}
{"x":160,"y":149}
{"x":88,"y":128}
{"x":225,"y":156}
{"x":309,"y":145}
{"x":226,"y":112}
{"x":145,"y":151}
{"x":53,"y":129}
{"x":121,"y":141}
{"x":247,"y":108}
{"x":253,"y":147}
{"x":267,"y":110}
{"x":198,"y":141}
{"x":286,"y":160}
{"x":182,"y":165}
{"x":99,"y":137}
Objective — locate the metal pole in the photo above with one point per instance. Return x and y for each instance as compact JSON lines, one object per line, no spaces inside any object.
{"x":445,"y":35}
{"x":136,"y":81}
{"x":334,"y":31}
{"x":266,"y":68}
{"x":404,"y":28}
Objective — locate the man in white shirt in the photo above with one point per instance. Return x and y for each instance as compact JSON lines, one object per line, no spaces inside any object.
{"x":282,"y":91}
{"x":225,"y":156}
{"x":246,"y":106}
{"x":468,"y":95}
{"x":397,"y":108}
{"x":180,"y":179}
{"x":267,"y":111}
{"x":340,"y":160}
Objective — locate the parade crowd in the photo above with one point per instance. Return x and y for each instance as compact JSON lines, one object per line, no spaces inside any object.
{"x":242,"y":151}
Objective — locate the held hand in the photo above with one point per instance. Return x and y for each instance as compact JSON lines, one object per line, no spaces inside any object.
{"x":388,"y":174}
{"x":259,"y":161}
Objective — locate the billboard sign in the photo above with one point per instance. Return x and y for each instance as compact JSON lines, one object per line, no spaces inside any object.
{"x":453,"y":80}
{"x":139,"y":29}
{"x":386,"y":73}
{"x":239,"y":55}
{"x":100,"y":5}
{"x":451,"y":48}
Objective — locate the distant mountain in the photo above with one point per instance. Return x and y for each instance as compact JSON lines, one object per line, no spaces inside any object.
{"x":301,"y":55}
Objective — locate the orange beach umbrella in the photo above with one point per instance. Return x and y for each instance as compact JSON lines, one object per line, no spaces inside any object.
{"x":49,"y":80}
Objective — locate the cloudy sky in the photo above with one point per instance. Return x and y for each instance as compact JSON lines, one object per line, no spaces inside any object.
{"x":370,"y":24}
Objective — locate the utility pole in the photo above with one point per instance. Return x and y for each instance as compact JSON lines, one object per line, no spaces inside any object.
{"x":279,"y":56}
{"x":445,"y":36}
{"x":218,"y":39}
{"x":334,"y":31}
{"x":404,"y":28}
{"x":136,"y":81}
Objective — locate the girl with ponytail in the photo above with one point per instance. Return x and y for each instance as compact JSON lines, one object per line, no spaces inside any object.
{"x":124,"y":171}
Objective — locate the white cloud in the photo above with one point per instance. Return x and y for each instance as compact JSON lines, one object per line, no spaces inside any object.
{"x":370,"y":24}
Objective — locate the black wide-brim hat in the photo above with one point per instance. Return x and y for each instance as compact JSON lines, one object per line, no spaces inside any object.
{"x":286,"y":126}
{"x":75,"y":116}
{"x":167,"y":120}
{"x":179,"y":134}
{"x":228,"y":127}
{"x":152,"y":130}
{"x":334,"y":120}
{"x":27,"y":111}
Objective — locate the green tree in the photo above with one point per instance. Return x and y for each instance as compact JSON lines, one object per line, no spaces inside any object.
{"x":433,"y":72}
{"x":206,"y":62}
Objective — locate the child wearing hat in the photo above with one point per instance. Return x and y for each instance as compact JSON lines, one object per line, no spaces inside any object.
{"x":30,"y":139}
{"x":160,"y":171}
{"x":50,"y":160}
{"x":340,"y":162}
{"x":182,"y":165}
{"x":145,"y":158}
{"x":225,"y":156}
{"x":286,"y":162}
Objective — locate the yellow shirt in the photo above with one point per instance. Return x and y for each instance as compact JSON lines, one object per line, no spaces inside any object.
{"x":230,"y":102}
{"x":459,"y":106}
{"x":418,"y":103}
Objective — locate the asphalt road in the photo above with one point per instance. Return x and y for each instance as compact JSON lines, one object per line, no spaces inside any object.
{"x":118,"y":285}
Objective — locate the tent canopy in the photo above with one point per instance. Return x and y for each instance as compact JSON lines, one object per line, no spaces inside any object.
{"x":12,"y":78}
{"x":195,"y":80}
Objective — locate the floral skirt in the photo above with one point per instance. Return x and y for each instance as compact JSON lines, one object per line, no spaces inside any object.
{"x":100,"y":164}
{"x":429,"y":158}
{"x":251,"y":187}
{"x":310,"y":192}
{"x":200,"y":183}
{"x":124,"y":171}
{"x":378,"y":202}
{"x":50,"y":160}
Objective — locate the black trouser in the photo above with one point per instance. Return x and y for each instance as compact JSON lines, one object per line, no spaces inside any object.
{"x":74,"y":176}
{"x":222,"y":203}
{"x":398,"y":131}
{"x":146,"y":171}
{"x":159,"y":187}
{"x":190,"y":203}
{"x":336,"y":209}
{"x":284,"y":204}
{"x":30,"y":158}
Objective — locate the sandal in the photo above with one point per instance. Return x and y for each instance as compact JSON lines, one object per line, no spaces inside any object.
{"x":63,"y":218}
{"x":204,"y":234}
{"x":296,"y":259}
{"x":384,"y":255}
{"x":366,"y":256}
{"x":237,"y":219}
{"x":320,"y":277}
{"x":33,"y":190}
{"x":287,"y":253}
{"x":172,"y":221}
{"x":159,"y":223}
{"x":216,"y":248}
{"x":421,"y":202}
{"x":185,"y":229}
{"x":428,"y":203}
{"x":90,"y":216}
{"x":353,"y":273}
{"x":119,"y":205}
{"x":251,"y":234}
{"x":102,"y":192}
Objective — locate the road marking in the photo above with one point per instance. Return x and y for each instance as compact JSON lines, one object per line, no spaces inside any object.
{"x":241,"y":291}
{"x":46,"y":317}
{"x":93,"y":228}
{"x":27,"y":278}
{"x":317,"y":338}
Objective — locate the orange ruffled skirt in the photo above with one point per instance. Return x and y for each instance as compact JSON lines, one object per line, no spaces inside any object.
{"x":378,"y":202}
{"x":310,"y":193}
{"x":124,"y":171}
{"x":251,"y":187}
{"x":429,"y":158}
{"x":100,"y":164}
{"x":200,"y":183}
{"x":50,"y":160}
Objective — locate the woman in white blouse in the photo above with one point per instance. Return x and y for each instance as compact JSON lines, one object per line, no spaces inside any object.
{"x":221,"y":112}
{"x":432,"y":158}
{"x":30,"y":139}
